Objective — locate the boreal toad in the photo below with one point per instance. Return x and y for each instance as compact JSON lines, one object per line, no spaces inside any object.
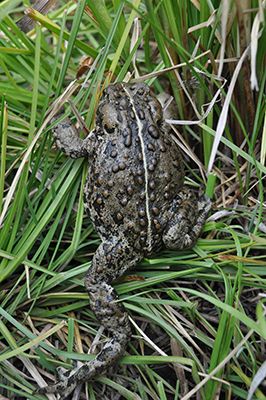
{"x":137,"y":201}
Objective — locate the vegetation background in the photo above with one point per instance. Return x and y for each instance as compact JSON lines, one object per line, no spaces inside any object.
{"x":198,"y":316}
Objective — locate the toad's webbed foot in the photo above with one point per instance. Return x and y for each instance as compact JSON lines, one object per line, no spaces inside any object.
{"x":63,"y":373}
{"x":88,"y":371}
{"x":61,"y":389}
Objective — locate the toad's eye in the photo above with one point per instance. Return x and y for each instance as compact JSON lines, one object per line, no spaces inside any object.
{"x":156,"y":110}
{"x":109,"y":129}
{"x":109,"y":118}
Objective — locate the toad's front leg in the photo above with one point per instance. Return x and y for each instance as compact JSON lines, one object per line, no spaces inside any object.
{"x":111,"y":260}
{"x":67,"y":139}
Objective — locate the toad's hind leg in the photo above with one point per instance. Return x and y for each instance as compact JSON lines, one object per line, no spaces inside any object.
{"x":186,"y":219}
{"x":111,"y":260}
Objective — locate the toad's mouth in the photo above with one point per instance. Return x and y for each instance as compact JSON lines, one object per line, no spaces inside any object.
{"x":146,"y":175}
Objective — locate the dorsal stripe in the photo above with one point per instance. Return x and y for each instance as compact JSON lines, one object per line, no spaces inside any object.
{"x":146,"y":175}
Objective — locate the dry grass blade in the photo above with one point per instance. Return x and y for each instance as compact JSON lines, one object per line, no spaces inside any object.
{"x":168,"y":69}
{"x":43,"y":6}
{"x":224,"y":114}
{"x":209,"y":108}
{"x":33,"y":371}
{"x":204,"y":24}
{"x":225,"y":11}
{"x":134,"y":38}
{"x":256,"y":381}
{"x":255,"y":35}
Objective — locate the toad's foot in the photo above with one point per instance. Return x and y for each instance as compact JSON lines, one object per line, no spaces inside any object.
{"x":88,"y":371}
{"x":62,"y":373}
{"x":61,"y":389}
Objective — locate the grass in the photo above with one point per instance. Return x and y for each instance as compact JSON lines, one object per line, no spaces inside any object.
{"x":198,"y":316}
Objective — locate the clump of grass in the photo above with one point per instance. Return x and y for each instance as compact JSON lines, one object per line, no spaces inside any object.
{"x":198,"y":315}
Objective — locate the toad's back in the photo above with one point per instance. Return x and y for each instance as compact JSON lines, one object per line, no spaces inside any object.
{"x":135,"y":170}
